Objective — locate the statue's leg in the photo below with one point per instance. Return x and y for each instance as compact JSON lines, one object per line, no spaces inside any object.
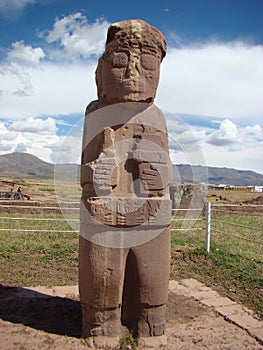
{"x":101,"y":275}
{"x":153,"y":264}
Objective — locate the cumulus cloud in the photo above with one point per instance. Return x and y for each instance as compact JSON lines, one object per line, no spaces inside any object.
{"x":187,"y":141}
{"x":25,"y":53}
{"x":216,"y":80}
{"x":238,"y":137}
{"x":235,"y":146}
{"x":189,"y":136}
{"x":78,"y":37}
{"x":34,"y":136}
{"x":41,"y":138}
{"x":225,"y":144}
{"x":251,"y":132}
{"x":226,"y":135}
{"x":31,"y":125}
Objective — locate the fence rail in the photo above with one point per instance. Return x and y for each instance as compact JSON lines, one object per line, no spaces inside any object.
{"x":210,"y":218}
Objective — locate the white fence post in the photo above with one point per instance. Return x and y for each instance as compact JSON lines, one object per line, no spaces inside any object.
{"x":208,"y":220}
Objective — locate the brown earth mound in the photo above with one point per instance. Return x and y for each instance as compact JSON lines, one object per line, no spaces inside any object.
{"x":257,"y":201}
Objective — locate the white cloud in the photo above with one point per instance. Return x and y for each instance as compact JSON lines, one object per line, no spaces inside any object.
{"x":25,"y":53}
{"x":77,"y":36}
{"x":4,"y":136}
{"x":251,"y":133}
{"x":219,"y":79}
{"x":2,"y":128}
{"x":48,"y":90}
{"x":41,"y":138}
{"x":31,"y":125}
{"x":250,"y":158}
{"x":189,"y":136}
{"x":67,"y":150}
{"x":187,"y":141}
{"x":5,"y":148}
{"x":15,"y":81}
{"x":216,"y":80}
{"x":21,"y":148}
{"x":226,"y":135}
{"x":230,"y":145}
{"x":34,"y":136}
{"x":237,"y":137}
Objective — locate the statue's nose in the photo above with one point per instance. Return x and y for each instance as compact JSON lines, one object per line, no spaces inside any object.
{"x":132,"y":70}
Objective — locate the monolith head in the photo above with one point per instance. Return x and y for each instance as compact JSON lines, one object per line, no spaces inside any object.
{"x":129,"y":68}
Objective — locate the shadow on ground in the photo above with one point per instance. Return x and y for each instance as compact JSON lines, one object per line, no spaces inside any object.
{"x":40,"y":311}
{"x":62,"y":316}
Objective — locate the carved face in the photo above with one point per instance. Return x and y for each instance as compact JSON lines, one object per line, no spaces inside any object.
{"x":130,"y":74}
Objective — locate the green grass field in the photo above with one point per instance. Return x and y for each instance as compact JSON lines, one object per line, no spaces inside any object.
{"x":233,"y":267}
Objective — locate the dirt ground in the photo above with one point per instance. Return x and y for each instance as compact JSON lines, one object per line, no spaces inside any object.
{"x":48,"y":319}
{"x":34,"y":319}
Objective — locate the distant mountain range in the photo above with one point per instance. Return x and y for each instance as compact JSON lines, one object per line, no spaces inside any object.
{"x":24,"y":165}
{"x":215,"y":175}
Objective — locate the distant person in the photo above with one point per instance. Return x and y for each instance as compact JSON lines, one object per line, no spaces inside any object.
{"x":19,"y":192}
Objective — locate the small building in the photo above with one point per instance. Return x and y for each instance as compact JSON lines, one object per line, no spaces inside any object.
{"x":258,"y":189}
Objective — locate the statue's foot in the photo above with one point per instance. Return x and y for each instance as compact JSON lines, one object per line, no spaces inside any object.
{"x":152,"y":321}
{"x":102,"y":322}
{"x":110,"y":328}
{"x":106,"y":336}
{"x":103,"y":342}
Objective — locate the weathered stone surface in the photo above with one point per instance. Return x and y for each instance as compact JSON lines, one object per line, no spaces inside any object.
{"x":188,"y":196}
{"x":124,"y":250}
{"x":129,"y":68}
{"x":126,"y":211}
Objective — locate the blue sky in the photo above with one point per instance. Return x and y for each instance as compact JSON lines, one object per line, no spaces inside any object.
{"x":210,"y":88}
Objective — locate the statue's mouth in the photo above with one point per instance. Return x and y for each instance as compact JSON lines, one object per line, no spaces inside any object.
{"x":132,"y":86}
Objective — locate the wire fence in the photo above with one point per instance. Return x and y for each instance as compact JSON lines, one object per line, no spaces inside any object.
{"x":236,"y":229}
{"x":42,"y":219}
{"x":217,"y":221}
{"x":242,"y":221}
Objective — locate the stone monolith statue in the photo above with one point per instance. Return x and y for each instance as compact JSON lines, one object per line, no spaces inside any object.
{"x":124,"y":252}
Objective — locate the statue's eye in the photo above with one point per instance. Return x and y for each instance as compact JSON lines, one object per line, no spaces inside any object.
{"x":119,"y":60}
{"x":149,"y":62}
